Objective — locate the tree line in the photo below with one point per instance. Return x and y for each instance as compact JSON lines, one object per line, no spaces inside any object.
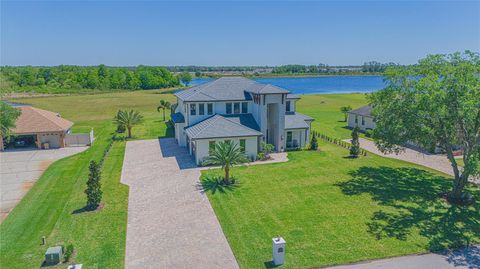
{"x":91,"y":77}
{"x":368,"y":67}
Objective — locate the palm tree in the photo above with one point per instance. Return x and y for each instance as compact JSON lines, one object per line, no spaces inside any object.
{"x":164,"y":105}
{"x":128,"y":119}
{"x":344,"y":110}
{"x":226,"y":154}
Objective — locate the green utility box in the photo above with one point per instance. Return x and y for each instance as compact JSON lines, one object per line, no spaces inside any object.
{"x":53,"y":255}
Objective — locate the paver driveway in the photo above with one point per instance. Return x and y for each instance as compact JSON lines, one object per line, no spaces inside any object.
{"x":19,"y":169}
{"x":170,"y":222}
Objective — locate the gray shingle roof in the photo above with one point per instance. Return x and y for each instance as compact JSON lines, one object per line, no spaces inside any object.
{"x":294,"y":120}
{"x":227,"y":89}
{"x":293,"y":96}
{"x":178,"y":117}
{"x":219,"y":126}
{"x":362,"y":111}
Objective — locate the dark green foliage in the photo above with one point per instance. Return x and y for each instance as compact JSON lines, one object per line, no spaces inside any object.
{"x":68,"y":253}
{"x":93,"y":191}
{"x":314,"y":143}
{"x":164,"y":105}
{"x":368,"y":133}
{"x":355,"y":148}
{"x":226,"y":154}
{"x":185,"y":78}
{"x":128,"y":118}
{"x":91,"y":77}
{"x":344,"y":110}
{"x":433,"y":102}
{"x":8,"y":118}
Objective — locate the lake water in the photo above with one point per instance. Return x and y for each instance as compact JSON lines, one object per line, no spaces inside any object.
{"x":312,"y":85}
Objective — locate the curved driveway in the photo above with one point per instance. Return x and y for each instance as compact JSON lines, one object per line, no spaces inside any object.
{"x":170,"y":221}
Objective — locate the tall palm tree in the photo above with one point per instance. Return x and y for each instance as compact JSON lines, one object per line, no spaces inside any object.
{"x":128,"y":119}
{"x":344,"y":110}
{"x":164,"y":105}
{"x":226,"y":154}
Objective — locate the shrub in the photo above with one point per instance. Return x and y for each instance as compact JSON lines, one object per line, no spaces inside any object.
{"x":261,"y":156}
{"x":68,"y":253}
{"x":93,"y":191}
{"x":121,"y":128}
{"x":267,"y":149}
{"x":368,"y":133}
{"x":355,"y":148}
{"x":313,"y":143}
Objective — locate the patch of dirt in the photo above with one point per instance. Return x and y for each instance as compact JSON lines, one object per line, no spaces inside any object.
{"x":45,"y":164}
{"x":27,"y":185}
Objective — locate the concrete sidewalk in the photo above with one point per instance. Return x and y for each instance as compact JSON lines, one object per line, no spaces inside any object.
{"x":467,"y":258}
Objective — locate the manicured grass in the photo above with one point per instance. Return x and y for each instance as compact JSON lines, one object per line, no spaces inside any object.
{"x":325,"y":109}
{"x":52,"y":208}
{"x":334,"y":210}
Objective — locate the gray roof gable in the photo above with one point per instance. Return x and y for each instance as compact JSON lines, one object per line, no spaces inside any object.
{"x":294,"y":120}
{"x":218,"y":126}
{"x":362,"y":111}
{"x":227,"y":89}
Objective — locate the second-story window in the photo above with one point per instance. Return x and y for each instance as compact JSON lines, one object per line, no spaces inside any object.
{"x":356,"y":119}
{"x":363,"y":120}
{"x":193,"y":109}
{"x":229,"y":108}
{"x":201,"y":109}
{"x":236,"y":108}
{"x":244,"y":107}
{"x":289,"y":106}
{"x":210,"y":109}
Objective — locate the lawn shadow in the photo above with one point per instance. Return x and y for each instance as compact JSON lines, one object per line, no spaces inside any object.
{"x":214,"y":184}
{"x":270,"y":264}
{"x":413,"y":201}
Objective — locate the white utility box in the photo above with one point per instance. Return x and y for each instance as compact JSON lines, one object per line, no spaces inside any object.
{"x":278,"y":249}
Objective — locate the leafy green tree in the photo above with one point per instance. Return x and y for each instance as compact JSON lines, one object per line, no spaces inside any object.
{"x":9,"y":116}
{"x":163,"y":105}
{"x":355,"y":148}
{"x":226,"y":154}
{"x":313,"y":142}
{"x":93,"y":191}
{"x":128,"y":119}
{"x":185,"y":78}
{"x":345,"y":110}
{"x":436,"y":101}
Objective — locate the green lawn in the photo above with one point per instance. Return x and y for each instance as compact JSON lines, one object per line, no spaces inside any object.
{"x":335,"y":210}
{"x":325,"y":109}
{"x":50,"y":207}
{"x":323,"y":220}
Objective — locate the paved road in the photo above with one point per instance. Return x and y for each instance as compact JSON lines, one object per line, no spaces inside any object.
{"x":460,"y":259}
{"x":434,"y":161}
{"x":20,"y":169}
{"x":170,"y":221}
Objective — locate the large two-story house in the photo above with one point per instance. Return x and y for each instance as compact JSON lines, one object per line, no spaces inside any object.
{"x":238,"y":109}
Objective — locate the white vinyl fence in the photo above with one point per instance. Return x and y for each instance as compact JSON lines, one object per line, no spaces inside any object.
{"x":76,"y":140}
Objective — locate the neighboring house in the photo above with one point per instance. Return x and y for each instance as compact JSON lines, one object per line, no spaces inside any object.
{"x":361,"y":117}
{"x":40,"y":128}
{"x":238,"y":109}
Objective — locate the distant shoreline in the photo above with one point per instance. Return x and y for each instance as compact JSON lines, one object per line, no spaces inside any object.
{"x":290,"y":75}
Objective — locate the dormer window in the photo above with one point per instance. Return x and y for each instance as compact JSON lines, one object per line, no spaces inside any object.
{"x":228,"y":109}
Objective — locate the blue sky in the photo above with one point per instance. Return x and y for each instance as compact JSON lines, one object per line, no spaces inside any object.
{"x":233,"y":33}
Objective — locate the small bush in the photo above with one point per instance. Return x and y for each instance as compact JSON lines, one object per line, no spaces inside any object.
{"x":121,"y":128}
{"x":68,"y":253}
{"x":368,"y":133}
{"x":313,"y":143}
{"x":261,"y":156}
